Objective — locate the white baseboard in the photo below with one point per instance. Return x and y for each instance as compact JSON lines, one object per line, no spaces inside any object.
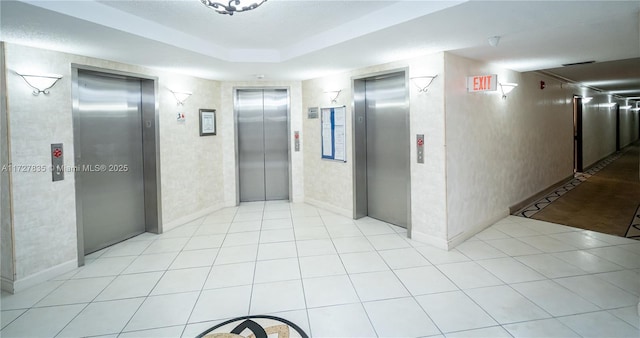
{"x":329,"y":207}
{"x":40,"y":277}
{"x":6,"y":285}
{"x":192,"y":217}
{"x":429,"y":239}
{"x":461,"y":237}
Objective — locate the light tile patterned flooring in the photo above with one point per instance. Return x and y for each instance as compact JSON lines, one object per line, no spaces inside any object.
{"x":336,"y":277}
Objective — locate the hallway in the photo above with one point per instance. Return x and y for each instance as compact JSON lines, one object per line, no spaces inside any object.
{"x":336,"y":277}
{"x":605,"y":201}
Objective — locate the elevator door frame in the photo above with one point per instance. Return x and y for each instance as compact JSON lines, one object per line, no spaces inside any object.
{"x":236,"y":135}
{"x":150,"y":148}
{"x":359,"y":142}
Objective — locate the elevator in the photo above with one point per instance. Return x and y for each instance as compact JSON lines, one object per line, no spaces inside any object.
{"x":117,"y":196}
{"x":262,"y":122}
{"x":381,"y":148}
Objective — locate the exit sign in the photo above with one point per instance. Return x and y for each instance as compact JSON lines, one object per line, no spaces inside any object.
{"x":482,"y":83}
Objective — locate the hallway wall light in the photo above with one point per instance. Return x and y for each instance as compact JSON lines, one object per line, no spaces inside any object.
{"x":493,"y":41}
{"x":41,"y":83}
{"x":333,"y":95}
{"x":587,"y":99}
{"x":423,"y":82}
{"x":625,"y":107}
{"x":506,"y":88}
{"x":232,"y":6}
{"x":180,"y":96}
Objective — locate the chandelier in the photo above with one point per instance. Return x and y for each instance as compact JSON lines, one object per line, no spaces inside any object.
{"x":232,"y":6}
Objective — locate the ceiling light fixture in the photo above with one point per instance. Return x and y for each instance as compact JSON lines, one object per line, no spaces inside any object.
{"x":506,"y":88}
{"x":232,"y":6}
{"x":423,"y":82}
{"x":578,"y":63}
{"x":41,"y":83}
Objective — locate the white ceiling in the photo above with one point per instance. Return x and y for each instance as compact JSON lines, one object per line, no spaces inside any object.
{"x":302,"y":39}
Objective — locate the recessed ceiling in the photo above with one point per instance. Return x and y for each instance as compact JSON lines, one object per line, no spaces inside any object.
{"x":276,"y":25}
{"x":300,"y":39}
{"x":620,"y":77}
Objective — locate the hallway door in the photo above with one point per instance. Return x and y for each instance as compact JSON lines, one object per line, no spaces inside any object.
{"x":577,"y":135}
{"x":617,"y":127}
{"x":263,"y":147}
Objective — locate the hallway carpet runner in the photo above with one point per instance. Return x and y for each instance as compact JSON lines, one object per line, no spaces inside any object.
{"x":605,"y":198}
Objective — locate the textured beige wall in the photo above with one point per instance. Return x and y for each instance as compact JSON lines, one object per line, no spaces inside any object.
{"x":330,"y":184}
{"x":502,"y":151}
{"x":6,"y":229}
{"x":44,"y":211}
{"x":191,"y":165}
{"x":327,"y":183}
{"x":228,"y":130}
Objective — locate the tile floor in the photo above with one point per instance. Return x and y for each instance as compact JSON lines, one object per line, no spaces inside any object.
{"x":336,"y":277}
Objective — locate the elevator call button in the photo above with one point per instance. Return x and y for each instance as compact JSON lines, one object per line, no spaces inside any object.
{"x":420,"y":148}
{"x":57,"y":162}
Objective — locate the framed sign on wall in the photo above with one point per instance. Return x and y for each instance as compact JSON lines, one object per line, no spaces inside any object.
{"x":207,"y":122}
{"x":334,"y":133}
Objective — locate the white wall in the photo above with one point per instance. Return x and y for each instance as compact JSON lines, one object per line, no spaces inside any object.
{"x":628,"y":126}
{"x":330,"y":184}
{"x":191,"y":165}
{"x":228,"y":132}
{"x":6,"y":229}
{"x":599,"y":130}
{"x":44,"y":211}
{"x":500,"y":152}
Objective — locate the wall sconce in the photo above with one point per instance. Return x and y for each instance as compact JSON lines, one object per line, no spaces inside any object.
{"x":625,"y":107}
{"x":40,"y":83}
{"x":333,"y":95}
{"x":423,"y":82}
{"x":180,"y":96}
{"x":587,"y":99}
{"x":493,"y":41}
{"x":506,"y":88}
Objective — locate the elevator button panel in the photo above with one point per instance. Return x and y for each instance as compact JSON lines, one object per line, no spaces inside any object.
{"x":296,"y":140}
{"x":420,"y":147}
{"x":57,"y":162}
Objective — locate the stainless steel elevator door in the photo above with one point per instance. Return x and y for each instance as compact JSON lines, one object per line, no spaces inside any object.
{"x":263,"y":147}
{"x":110,"y":163}
{"x":388,"y":159}
{"x":250,"y":112}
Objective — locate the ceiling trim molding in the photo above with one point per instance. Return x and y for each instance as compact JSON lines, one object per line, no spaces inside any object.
{"x":95,"y":12}
{"x":395,"y":14}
